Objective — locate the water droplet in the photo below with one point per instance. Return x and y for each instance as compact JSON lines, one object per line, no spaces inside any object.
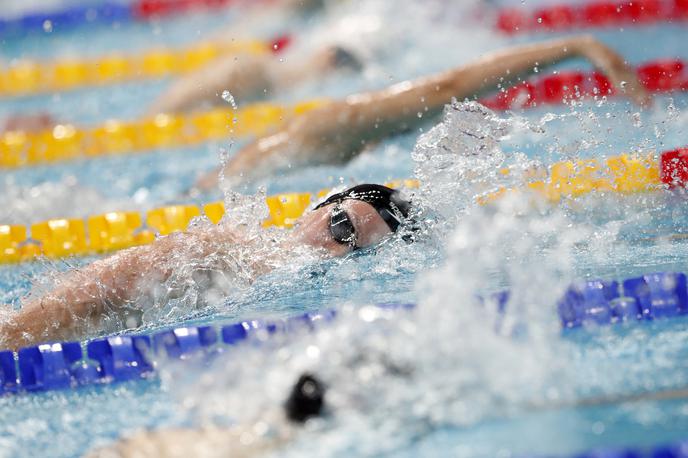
{"x":637,"y":121}
{"x":229,"y":98}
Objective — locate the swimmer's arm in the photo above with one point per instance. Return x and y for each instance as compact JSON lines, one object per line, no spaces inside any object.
{"x":106,"y":287}
{"x":245,"y":76}
{"x":340,"y":129}
{"x":210,"y":441}
{"x":504,"y":67}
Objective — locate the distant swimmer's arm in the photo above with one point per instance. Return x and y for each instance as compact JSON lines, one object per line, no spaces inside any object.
{"x":508,"y":65}
{"x":82,"y":297}
{"x":402,"y":102}
{"x":245,"y":76}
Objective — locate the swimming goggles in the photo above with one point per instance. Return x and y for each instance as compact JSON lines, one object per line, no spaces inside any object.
{"x":342,"y":228}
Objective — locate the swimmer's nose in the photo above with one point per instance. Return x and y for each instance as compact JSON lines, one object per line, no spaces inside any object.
{"x":306,"y":399}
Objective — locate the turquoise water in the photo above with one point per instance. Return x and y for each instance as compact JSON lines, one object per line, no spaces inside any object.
{"x":617,"y":240}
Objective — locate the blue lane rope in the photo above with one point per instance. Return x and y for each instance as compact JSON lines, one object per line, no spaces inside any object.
{"x":104,"y":13}
{"x":119,"y":358}
{"x":676,"y":450}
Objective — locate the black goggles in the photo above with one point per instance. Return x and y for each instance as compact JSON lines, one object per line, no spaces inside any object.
{"x":342,"y":228}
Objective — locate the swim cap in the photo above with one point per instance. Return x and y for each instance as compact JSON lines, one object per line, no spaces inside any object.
{"x":306,"y":400}
{"x":389,"y":203}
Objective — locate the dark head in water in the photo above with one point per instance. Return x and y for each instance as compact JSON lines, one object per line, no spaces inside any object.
{"x":389,"y":204}
{"x":306,"y":400}
{"x":355,"y":218}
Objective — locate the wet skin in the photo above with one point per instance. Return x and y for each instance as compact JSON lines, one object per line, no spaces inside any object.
{"x":110,"y":285}
{"x":314,"y":228}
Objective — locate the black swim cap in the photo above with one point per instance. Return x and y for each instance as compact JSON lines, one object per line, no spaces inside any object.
{"x":306,"y":400}
{"x":389,"y":203}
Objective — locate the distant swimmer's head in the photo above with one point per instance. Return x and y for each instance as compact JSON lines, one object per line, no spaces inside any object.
{"x":356,"y":218}
{"x":306,"y":400}
{"x":337,"y":58}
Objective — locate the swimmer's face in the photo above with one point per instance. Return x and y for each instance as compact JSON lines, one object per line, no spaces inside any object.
{"x":350,"y":218}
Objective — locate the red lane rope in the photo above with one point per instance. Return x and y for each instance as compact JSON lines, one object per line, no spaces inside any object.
{"x":145,"y":9}
{"x":595,"y":14}
{"x":657,"y":76}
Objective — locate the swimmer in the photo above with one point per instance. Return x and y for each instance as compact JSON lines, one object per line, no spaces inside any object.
{"x":340,"y":130}
{"x":250,"y":78}
{"x":247,"y":77}
{"x":306,"y":401}
{"x":215,"y":259}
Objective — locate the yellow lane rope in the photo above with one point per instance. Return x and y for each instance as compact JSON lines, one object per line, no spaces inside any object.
{"x":622,"y":174}
{"x":24,"y":77}
{"x":67,"y":142}
{"x":58,"y":238}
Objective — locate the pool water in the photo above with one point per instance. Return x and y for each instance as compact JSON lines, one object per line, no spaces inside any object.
{"x":474,"y":392}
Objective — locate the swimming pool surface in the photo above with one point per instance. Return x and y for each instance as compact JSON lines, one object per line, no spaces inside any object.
{"x":533,"y":252}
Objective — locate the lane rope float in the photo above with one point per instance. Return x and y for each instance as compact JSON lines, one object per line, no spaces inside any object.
{"x":624,"y":174}
{"x":54,"y":366}
{"x":27,"y":77}
{"x":104,"y":13}
{"x":657,"y":76}
{"x":514,"y":20}
{"x":66,"y":142}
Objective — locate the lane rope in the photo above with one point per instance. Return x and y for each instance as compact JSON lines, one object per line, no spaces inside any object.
{"x":27,"y":77}
{"x":657,"y":76}
{"x":582,"y":15}
{"x":54,"y":366}
{"x":107,"y":13}
{"x":66,"y":142}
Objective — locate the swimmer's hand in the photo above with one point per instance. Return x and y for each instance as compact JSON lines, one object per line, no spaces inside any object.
{"x":622,"y":75}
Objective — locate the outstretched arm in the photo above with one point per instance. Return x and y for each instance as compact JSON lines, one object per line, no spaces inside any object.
{"x":336,"y":132}
{"x":208,"y":441}
{"x":106,"y":287}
